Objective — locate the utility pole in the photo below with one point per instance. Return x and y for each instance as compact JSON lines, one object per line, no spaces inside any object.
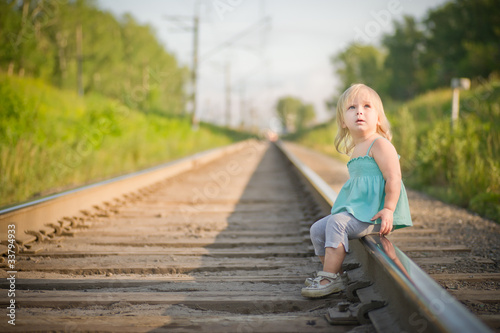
{"x":243,"y":116}
{"x":457,"y":84}
{"x":179,"y":20}
{"x":194,"y":72}
{"x":194,"y":78}
{"x":228,"y":94}
{"x":79,"y":59}
{"x":262,"y":23}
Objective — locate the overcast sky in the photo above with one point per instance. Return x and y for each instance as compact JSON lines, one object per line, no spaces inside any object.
{"x":290,"y":55}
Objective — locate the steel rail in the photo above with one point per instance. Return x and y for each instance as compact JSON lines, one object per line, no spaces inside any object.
{"x":32,"y":216}
{"x":415,"y":302}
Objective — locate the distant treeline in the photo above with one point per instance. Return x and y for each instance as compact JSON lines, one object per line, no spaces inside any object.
{"x":458,"y":39}
{"x":294,"y":114}
{"x":75,"y":45}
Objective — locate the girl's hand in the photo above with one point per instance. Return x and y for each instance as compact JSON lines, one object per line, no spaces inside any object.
{"x":386,"y":215}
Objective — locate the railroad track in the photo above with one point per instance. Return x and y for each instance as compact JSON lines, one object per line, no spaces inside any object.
{"x":222,"y":246}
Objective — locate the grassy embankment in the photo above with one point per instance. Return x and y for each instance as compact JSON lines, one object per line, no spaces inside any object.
{"x":460,"y":166}
{"x":52,"y":140}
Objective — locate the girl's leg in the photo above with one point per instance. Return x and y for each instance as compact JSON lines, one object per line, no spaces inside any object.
{"x":332,"y":250}
{"x":339,"y":229}
{"x":317,"y":234}
{"x":336,"y":243}
{"x":334,"y":257}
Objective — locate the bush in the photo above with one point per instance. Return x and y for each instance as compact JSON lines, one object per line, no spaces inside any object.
{"x":459,"y":165}
{"x":52,"y":140}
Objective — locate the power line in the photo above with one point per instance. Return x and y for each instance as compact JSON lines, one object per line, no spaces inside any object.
{"x":264,"y":22}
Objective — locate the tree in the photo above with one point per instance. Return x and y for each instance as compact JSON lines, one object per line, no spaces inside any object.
{"x":458,"y":39}
{"x":294,"y":114}
{"x":462,"y":40}
{"x":305,"y":116}
{"x":24,"y":48}
{"x":361,"y":64}
{"x":403,"y":59}
{"x":118,"y":58}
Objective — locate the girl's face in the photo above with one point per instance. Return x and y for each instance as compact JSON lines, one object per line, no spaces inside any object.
{"x":361,"y":115}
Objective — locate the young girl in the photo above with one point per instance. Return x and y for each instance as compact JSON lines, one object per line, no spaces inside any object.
{"x":373,"y":199}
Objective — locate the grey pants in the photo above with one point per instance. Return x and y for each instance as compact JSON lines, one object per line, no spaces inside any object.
{"x":332,"y":230}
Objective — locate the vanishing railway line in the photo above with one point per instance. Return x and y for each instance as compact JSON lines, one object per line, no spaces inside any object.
{"x":220,"y":246}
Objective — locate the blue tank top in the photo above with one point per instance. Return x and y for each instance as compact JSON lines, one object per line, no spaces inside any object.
{"x":363,"y":195}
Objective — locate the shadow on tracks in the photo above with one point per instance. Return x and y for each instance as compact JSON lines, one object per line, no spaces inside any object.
{"x":250,"y":278}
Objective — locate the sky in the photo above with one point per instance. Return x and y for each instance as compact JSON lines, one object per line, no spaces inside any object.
{"x":253,"y":52}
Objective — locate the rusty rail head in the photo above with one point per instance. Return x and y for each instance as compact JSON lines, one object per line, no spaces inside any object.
{"x":416,"y":303}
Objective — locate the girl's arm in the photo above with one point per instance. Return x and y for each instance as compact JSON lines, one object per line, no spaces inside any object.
{"x":387,"y":160}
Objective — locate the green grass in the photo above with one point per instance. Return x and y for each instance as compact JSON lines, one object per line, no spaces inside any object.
{"x":52,"y":140}
{"x":460,"y":166}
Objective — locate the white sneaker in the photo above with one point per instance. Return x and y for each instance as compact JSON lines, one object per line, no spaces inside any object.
{"x":334,"y":285}
{"x":310,"y":280}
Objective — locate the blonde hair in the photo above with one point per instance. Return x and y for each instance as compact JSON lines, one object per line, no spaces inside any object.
{"x":343,"y":140}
